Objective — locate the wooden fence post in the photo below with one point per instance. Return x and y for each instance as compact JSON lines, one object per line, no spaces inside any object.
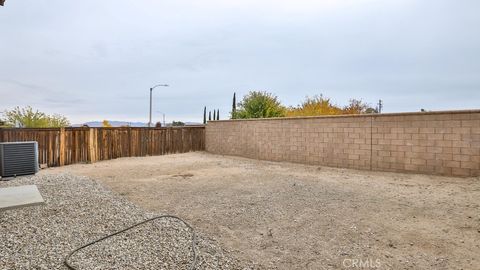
{"x":62,"y":146}
{"x":130,"y":143}
{"x":92,"y":145}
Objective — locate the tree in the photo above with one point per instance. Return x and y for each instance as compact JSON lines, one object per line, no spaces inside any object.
{"x":29,"y":118}
{"x":316,"y":105}
{"x":320,"y":105}
{"x":234,"y":106}
{"x":209,"y":115}
{"x":257,"y":104}
{"x":158,"y":124}
{"x":214,"y":115}
{"x":371,"y":110}
{"x":218,"y":114}
{"x":58,"y":120}
{"x":177,"y":124}
{"x":357,"y":106}
{"x":106,"y":124}
{"x":205,"y":115}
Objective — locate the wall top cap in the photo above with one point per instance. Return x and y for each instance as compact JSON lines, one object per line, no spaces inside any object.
{"x":375,"y":115}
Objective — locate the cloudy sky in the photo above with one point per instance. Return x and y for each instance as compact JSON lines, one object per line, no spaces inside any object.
{"x":94,"y":60}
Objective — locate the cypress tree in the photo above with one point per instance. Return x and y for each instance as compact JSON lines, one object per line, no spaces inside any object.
{"x":209,"y":115}
{"x":205,"y":115}
{"x":218,"y":114}
{"x":234,"y":105}
{"x":214,"y":115}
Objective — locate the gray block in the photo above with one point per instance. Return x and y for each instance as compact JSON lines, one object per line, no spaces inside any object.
{"x":21,"y":196}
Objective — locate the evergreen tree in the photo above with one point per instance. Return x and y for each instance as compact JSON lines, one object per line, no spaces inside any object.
{"x":234,"y":105}
{"x":205,"y":115}
{"x":209,"y":115}
{"x":218,"y":114}
{"x":214,"y":115}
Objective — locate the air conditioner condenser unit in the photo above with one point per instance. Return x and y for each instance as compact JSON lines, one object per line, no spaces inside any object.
{"x":18,"y":158}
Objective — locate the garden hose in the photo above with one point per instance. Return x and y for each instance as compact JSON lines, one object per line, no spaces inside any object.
{"x":194,"y":260}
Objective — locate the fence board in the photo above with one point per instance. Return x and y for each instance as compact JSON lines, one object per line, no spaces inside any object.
{"x":58,"y":147}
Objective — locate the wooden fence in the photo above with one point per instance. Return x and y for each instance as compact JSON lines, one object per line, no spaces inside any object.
{"x":63,"y":146}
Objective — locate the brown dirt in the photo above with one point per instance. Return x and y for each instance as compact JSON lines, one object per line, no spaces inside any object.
{"x":291,"y":216}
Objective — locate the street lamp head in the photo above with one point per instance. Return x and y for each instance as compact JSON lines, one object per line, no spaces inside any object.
{"x":163,"y":85}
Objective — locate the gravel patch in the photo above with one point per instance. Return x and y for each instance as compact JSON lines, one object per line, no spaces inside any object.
{"x":79,"y":210}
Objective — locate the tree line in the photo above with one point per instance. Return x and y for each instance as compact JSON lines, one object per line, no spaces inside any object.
{"x":261,"y":104}
{"x":255,"y":104}
{"x":216,"y":115}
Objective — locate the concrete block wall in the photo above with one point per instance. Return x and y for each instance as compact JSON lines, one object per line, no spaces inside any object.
{"x":443,"y":143}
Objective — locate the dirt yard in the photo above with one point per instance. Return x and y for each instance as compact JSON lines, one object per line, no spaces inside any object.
{"x":290,"y":216}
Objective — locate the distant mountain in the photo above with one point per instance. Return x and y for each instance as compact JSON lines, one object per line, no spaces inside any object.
{"x":113,"y":123}
{"x":123,"y":123}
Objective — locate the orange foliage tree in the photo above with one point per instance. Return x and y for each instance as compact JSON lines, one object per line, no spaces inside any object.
{"x":320,"y":105}
{"x":316,"y":105}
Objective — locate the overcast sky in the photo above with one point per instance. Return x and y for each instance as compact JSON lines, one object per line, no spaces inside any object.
{"x":94,"y":60}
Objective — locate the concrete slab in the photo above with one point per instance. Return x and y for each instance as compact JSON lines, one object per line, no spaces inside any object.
{"x":21,"y":196}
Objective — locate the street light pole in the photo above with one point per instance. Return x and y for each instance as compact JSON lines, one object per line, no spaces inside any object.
{"x":150,"y":118}
{"x":151,"y":91}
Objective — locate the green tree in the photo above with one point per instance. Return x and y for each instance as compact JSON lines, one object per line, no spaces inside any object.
{"x":57,"y":120}
{"x":371,"y":110}
{"x":218,"y":114}
{"x":29,"y":118}
{"x":209,"y":115}
{"x":177,"y":124}
{"x":257,"y":104}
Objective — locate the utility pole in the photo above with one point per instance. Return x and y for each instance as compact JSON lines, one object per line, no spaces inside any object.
{"x":380,"y":106}
{"x":151,"y":90}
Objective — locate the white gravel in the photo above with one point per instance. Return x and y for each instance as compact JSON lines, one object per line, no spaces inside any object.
{"x":78,"y":210}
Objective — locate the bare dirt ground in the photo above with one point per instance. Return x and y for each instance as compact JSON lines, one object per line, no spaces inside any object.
{"x":291,"y":216}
